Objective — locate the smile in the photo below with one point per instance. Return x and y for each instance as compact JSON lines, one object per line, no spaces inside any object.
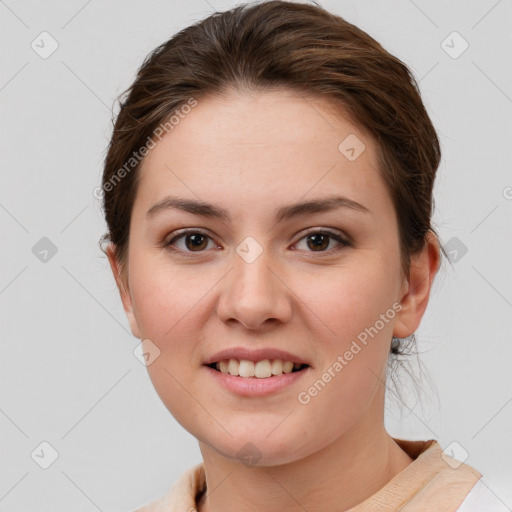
{"x":263,"y":369}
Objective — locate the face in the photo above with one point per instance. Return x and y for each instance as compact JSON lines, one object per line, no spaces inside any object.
{"x":317,"y":283}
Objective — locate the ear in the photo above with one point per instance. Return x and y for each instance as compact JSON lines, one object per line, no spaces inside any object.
{"x":124,"y":290}
{"x":423,"y":269}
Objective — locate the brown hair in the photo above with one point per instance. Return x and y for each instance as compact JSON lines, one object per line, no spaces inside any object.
{"x":272,"y":44}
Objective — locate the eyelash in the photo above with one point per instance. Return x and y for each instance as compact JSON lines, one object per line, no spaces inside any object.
{"x":332,"y":234}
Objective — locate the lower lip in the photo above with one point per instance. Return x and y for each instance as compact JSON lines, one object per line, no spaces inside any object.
{"x":254,"y":386}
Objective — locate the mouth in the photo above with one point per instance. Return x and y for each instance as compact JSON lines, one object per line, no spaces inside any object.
{"x":263,"y":369}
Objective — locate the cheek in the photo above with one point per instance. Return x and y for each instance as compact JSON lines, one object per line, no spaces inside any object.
{"x":348,"y":299}
{"x":345,"y":314}
{"x":165,"y":298}
{"x":166,"y":306}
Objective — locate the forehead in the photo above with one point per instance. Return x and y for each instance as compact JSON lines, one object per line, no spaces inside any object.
{"x":264,"y":146}
{"x":279,"y":118}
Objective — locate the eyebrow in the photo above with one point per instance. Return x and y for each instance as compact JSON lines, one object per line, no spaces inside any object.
{"x":283,"y":213}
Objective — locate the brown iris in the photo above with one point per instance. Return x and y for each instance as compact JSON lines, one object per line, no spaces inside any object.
{"x":319,"y":240}
{"x":198,"y":241}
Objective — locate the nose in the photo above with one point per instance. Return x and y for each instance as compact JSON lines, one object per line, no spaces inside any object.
{"x":255,"y":294}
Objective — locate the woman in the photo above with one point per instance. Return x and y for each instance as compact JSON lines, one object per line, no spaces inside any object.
{"x":268,"y":196}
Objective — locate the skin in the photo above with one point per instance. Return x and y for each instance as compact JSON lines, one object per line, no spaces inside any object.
{"x":251,"y":153}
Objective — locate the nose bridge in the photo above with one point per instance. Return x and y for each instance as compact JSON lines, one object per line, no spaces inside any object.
{"x":253,"y":265}
{"x":254,"y":293}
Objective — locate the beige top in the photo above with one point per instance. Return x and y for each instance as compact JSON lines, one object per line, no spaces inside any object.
{"x":433,"y":481}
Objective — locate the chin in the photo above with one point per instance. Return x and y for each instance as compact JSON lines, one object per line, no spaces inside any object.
{"x":258,"y":445}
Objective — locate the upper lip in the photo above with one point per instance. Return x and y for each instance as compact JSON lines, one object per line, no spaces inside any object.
{"x":254,"y":355}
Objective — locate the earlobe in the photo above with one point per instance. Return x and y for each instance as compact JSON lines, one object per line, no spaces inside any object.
{"x":423,"y":269}
{"x":123,"y":288}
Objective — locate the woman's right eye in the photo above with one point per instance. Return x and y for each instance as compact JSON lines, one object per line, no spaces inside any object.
{"x":194,"y":241}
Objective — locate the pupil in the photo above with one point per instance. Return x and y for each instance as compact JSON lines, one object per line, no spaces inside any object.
{"x":315,"y":237}
{"x":196,"y":240}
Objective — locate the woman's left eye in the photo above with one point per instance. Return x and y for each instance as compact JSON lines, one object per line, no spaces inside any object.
{"x":319,"y":241}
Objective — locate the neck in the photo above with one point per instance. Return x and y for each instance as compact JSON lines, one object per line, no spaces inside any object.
{"x":338,"y":477}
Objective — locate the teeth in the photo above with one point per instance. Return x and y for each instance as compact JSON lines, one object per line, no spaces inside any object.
{"x":233,"y":366}
{"x":246,"y":368}
{"x":261,"y":369}
{"x":287,"y":367}
{"x":277,"y":367}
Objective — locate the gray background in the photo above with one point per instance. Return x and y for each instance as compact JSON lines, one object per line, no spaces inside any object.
{"x":68,"y":374}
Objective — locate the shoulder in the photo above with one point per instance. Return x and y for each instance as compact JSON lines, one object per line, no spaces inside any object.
{"x":181,"y":496}
{"x":482,"y":499}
